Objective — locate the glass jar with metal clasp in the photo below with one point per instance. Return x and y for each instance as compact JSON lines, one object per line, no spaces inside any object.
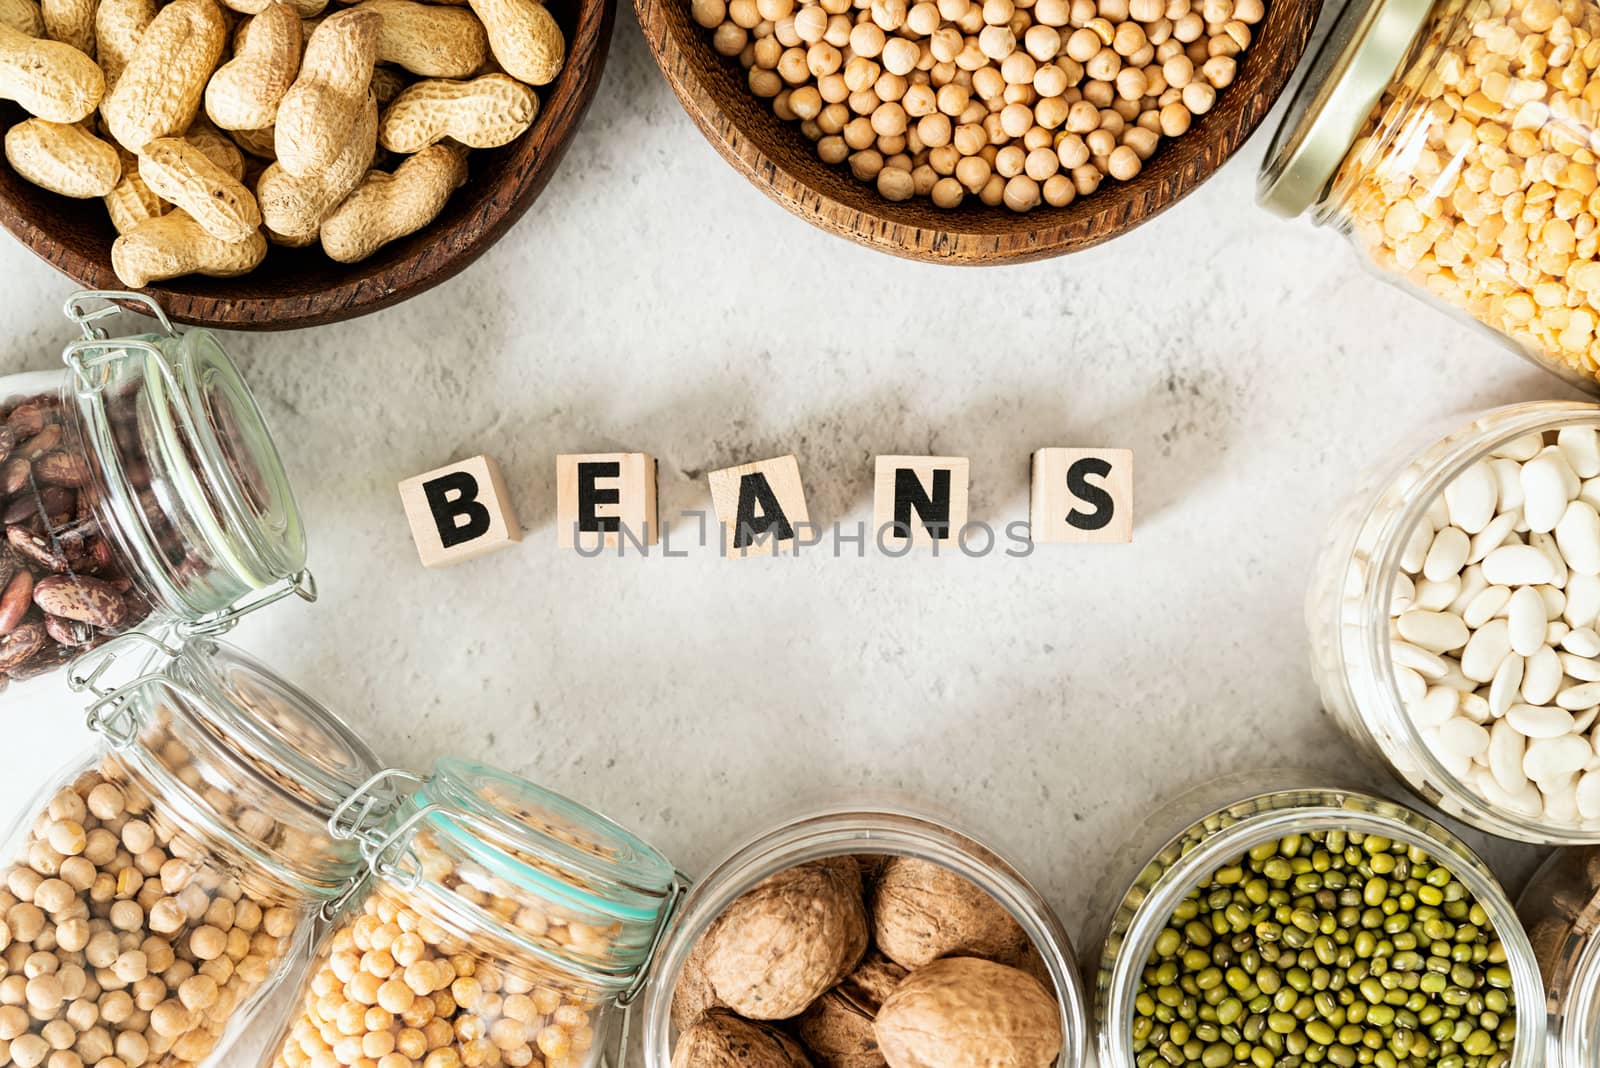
{"x":139,"y":485}
{"x":159,"y":888}
{"x":502,"y":925}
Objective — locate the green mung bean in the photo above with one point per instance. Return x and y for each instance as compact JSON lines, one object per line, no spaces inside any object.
{"x":1340,"y":949}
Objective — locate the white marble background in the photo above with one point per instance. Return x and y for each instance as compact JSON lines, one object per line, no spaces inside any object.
{"x":653,"y":300}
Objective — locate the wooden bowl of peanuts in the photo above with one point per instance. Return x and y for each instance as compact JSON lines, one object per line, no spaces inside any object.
{"x":401,"y":140}
{"x":977,"y":131}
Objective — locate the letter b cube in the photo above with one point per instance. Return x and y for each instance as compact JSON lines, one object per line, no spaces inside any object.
{"x":459,"y":512}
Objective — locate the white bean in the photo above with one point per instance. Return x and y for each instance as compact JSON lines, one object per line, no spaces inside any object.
{"x":1507,"y":684}
{"x":1492,"y":536}
{"x":1581,"y":447}
{"x":1486,"y":606}
{"x":1421,"y":661}
{"x":1525,"y":621}
{"x":1471,"y":498}
{"x":1437,"y":632}
{"x":1438,"y":596}
{"x":1484,"y":650}
{"x":1506,"y":749}
{"x":1521,"y":449}
{"x":1518,"y":565}
{"x":1550,"y":758}
{"x":1588,"y":795}
{"x":1583,"y":600}
{"x":1582,"y":642}
{"x":1541,"y":678}
{"x":1544,"y":484}
{"x":1436,"y":707}
{"x":1508,"y":483}
{"x":1539,"y":721}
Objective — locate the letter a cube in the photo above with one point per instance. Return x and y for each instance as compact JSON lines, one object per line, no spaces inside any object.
{"x":760,"y":506}
{"x":459,"y":512}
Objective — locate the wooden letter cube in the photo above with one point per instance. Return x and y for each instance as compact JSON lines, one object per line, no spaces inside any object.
{"x":761,"y":506}
{"x":603,"y":499}
{"x":1082,"y":496}
{"x":919,"y":500}
{"x":459,"y":512}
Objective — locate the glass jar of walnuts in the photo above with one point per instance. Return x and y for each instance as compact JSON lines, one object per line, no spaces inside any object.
{"x":159,"y":888}
{"x":503,"y":925}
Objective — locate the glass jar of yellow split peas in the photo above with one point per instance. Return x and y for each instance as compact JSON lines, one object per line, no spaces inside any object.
{"x":503,"y":926}
{"x":1455,"y":142}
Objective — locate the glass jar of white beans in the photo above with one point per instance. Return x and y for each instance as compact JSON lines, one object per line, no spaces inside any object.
{"x":503,"y":925}
{"x":1454,"y":142}
{"x":1453,"y":620}
{"x":881,"y":829}
{"x":1561,"y":910}
{"x":158,"y":889}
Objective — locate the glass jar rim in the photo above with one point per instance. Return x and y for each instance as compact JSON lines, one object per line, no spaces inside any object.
{"x":1578,"y":1042}
{"x":1382,"y":694}
{"x":1342,"y":84}
{"x":887,"y":828}
{"x":1257,"y":825}
{"x":231,"y":482}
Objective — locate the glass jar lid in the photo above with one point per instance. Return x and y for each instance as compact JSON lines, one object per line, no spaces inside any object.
{"x":566,"y":886}
{"x":177,"y":405}
{"x":236,"y":755}
{"x":1345,"y":81}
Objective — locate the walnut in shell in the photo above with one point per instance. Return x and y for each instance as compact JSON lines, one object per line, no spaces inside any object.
{"x":922,"y":911}
{"x":693,"y":996}
{"x":722,"y":1040}
{"x":963,"y":1011}
{"x":786,"y":941}
{"x":837,"y":1028}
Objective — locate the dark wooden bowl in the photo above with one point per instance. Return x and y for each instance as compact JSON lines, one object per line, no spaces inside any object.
{"x":302,"y":287}
{"x":780,"y":161}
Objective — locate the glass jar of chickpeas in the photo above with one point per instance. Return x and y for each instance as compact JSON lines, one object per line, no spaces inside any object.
{"x":1454,"y":142}
{"x":1561,"y":908}
{"x":159,"y":888}
{"x":502,"y":925}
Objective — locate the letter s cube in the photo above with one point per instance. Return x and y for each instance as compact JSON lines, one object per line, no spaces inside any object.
{"x":1082,"y":496}
{"x":459,"y":512}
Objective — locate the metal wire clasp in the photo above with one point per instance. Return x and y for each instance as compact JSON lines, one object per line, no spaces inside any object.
{"x":86,"y":671}
{"x":359,"y":817}
{"x":302,"y":584}
{"x":93,"y":350}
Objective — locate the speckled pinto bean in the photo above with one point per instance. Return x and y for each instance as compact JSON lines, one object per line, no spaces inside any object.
{"x":1016,"y":102}
{"x":126,"y":942}
{"x":1476,"y":179}
{"x":62,"y":588}
{"x":398,"y":987}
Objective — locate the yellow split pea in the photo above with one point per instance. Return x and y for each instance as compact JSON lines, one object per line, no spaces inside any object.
{"x":1477,"y":181}
{"x":1016,"y":102}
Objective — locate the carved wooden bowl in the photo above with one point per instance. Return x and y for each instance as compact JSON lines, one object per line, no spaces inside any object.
{"x":775,"y":156}
{"x":302,"y":287}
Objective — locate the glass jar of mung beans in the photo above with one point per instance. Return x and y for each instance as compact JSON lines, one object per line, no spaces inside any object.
{"x":1306,"y":923}
{"x":1454,"y":143}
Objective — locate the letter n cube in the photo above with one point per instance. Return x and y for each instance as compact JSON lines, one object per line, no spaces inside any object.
{"x":459,"y":512}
